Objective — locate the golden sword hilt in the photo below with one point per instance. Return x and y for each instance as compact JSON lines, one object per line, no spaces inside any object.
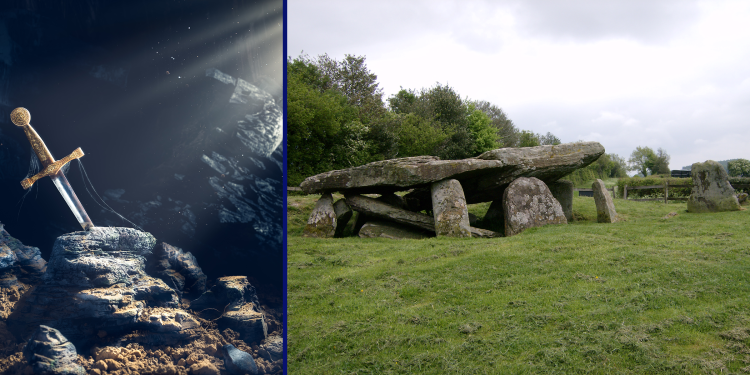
{"x":21,"y":117}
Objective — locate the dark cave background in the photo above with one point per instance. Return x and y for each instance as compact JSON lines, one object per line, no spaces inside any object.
{"x":127,"y":82}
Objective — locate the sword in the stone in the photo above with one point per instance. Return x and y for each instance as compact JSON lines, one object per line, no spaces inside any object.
{"x":21,"y":117}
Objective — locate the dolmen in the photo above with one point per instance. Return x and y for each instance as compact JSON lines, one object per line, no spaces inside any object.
{"x":521,"y":183}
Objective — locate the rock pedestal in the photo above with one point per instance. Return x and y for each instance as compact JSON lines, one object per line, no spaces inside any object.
{"x":711,"y":189}
{"x":449,"y":209}
{"x":322,"y":221}
{"x":528,"y":203}
{"x":562,"y":190}
{"x":605,"y":207}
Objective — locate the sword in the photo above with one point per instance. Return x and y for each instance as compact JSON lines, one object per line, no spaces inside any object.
{"x":21,"y":117}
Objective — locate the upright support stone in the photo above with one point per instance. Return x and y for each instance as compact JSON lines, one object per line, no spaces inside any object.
{"x":605,"y":208}
{"x":562,"y":190}
{"x":449,"y":209}
{"x":322,"y":221}
{"x":711,"y":189}
{"x":494,"y":218}
{"x":527,"y":203}
{"x":343,"y":215}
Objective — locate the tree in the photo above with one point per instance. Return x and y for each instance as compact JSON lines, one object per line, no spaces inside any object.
{"x":507,"y":134}
{"x":528,"y":139}
{"x":548,"y":139}
{"x":642,"y":160}
{"x":739,"y":168}
{"x":661,"y":163}
{"x":484,"y":134}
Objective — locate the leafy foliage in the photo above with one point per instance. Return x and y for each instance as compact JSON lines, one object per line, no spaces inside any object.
{"x":607,"y":166}
{"x":654,"y":180}
{"x":528,"y":139}
{"x":645,"y":160}
{"x":739,"y":168}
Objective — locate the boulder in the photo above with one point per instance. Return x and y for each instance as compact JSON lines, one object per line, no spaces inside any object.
{"x":605,"y":207}
{"x":49,"y":352}
{"x":711,"y":189}
{"x":177,"y":268}
{"x":272,"y":348}
{"x":375,"y":208}
{"x":343,"y":214}
{"x":482,"y":177}
{"x":238,"y":362}
{"x":742,"y":198}
{"x":385,"y":229}
{"x":449,"y":209}
{"x":527,"y":203}
{"x":242,"y":312}
{"x":562,"y":190}
{"x":95,"y":281}
{"x":322,"y":221}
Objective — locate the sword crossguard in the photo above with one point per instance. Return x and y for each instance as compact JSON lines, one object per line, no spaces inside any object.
{"x":52,"y":168}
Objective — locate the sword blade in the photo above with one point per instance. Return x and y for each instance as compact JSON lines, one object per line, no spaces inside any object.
{"x":62,"y":184}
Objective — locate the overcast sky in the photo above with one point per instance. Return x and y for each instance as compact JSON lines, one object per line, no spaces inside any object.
{"x":669,"y":74}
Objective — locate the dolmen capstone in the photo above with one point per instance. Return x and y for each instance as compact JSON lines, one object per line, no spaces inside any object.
{"x":443,"y":188}
{"x":605,"y":207}
{"x":711,"y":189}
{"x":529,"y":203}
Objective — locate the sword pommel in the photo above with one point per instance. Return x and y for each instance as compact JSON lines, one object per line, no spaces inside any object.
{"x":20,"y":116}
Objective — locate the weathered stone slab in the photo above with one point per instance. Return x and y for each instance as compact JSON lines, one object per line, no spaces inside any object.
{"x":528,"y":203}
{"x":605,"y":207}
{"x":562,"y":190}
{"x":483,"y":233}
{"x":711,"y":189}
{"x":375,"y":208}
{"x":384,"y":229}
{"x":322,"y":220}
{"x":449,"y":209}
{"x":343,"y":214}
{"x":485,"y":174}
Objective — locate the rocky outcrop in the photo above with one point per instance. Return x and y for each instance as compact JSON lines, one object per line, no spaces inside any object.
{"x":177,"y":268}
{"x":322,"y":220}
{"x":528,"y":203}
{"x":18,"y":261}
{"x":95,"y":282}
{"x":562,"y":190}
{"x":449,"y":209}
{"x":711,"y":189}
{"x":605,"y":207}
{"x":238,"y":362}
{"x":50,"y":353}
{"x":242,"y":312}
{"x":485,"y":174}
{"x":385,"y":229}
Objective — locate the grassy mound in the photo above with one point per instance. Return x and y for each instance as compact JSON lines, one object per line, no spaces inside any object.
{"x":655,"y":293}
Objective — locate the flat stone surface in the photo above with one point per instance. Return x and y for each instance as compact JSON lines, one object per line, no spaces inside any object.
{"x":528,"y":203}
{"x":481,"y":177}
{"x":605,"y":207}
{"x":449,"y":209}
{"x":712,"y":191}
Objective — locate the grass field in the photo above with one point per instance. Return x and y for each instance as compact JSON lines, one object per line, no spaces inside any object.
{"x":647,"y":295}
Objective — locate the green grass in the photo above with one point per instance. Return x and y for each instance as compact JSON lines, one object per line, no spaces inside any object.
{"x":647,"y":295}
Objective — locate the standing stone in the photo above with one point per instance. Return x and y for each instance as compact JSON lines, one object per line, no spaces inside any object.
{"x":343,"y":215}
{"x":449,"y":209}
{"x":562,"y":190}
{"x":529,"y":203}
{"x":605,"y":208}
{"x":711,"y":189}
{"x":322,"y":221}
